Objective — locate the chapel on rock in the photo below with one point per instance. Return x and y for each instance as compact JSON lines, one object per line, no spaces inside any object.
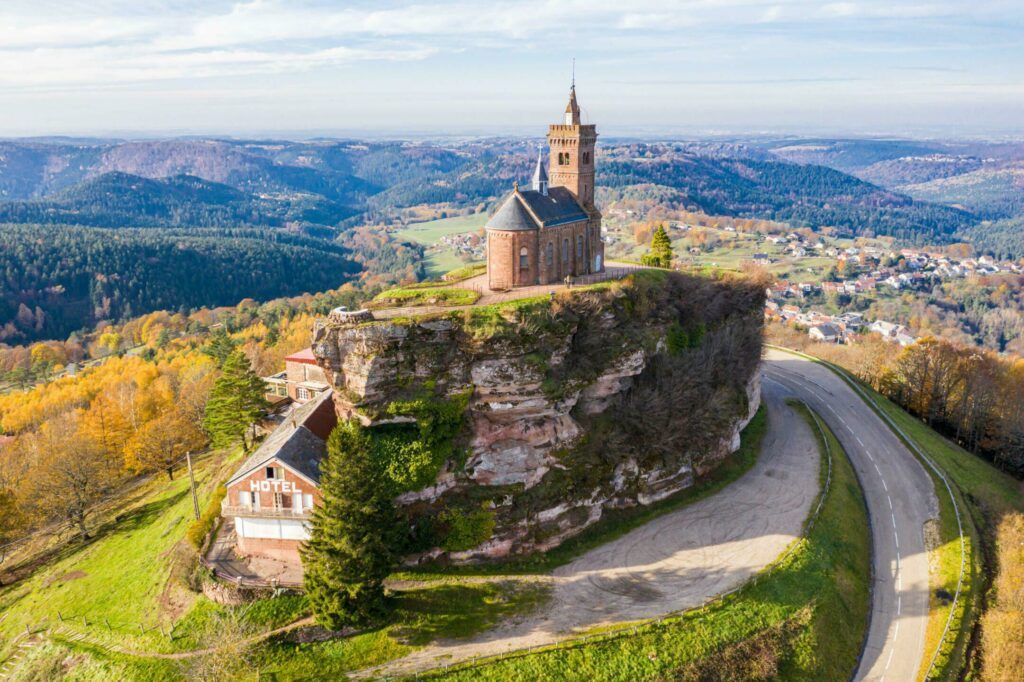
{"x":552,"y":230}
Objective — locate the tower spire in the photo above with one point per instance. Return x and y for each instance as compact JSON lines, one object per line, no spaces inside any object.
{"x":540,"y":175}
{"x":572,"y":110}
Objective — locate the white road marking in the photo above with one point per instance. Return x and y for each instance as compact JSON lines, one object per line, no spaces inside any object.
{"x":896,"y":535}
{"x":890,"y":500}
{"x":893,"y":516}
{"x":859,"y":441}
{"x":885,"y":486}
{"x":891,"y":652}
{"x":899,"y":604}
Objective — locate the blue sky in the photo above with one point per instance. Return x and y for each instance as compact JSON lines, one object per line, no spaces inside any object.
{"x":300,"y":67}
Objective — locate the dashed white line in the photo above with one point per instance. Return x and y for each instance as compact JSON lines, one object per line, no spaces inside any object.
{"x":890,"y":501}
{"x":891,"y":652}
{"x":885,"y":486}
{"x":899,"y":604}
{"x":859,"y":441}
{"x":896,"y":535}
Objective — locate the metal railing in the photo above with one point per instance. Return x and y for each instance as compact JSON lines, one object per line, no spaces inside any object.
{"x":265,"y":512}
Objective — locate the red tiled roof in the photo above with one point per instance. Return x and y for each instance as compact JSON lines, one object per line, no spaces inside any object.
{"x":304,"y":356}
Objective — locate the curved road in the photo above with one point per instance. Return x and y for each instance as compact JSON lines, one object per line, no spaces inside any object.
{"x":677,"y":561}
{"x":900,"y":498}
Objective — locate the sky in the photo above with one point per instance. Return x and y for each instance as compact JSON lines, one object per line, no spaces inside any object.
{"x":689,"y":67}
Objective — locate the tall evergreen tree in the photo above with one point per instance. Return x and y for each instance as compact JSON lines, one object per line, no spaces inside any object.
{"x":236,"y":401}
{"x":219,"y":346}
{"x":350,"y":550}
{"x":660,"y":254}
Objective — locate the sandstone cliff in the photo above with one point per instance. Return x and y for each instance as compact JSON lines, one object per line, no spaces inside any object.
{"x":602,"y":398}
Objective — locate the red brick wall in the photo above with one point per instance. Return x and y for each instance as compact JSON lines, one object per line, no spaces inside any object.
{"x":503,"y":247}
{"x":274,"y":548}
{"x":290,"y":484}
{"x":298,"y":372}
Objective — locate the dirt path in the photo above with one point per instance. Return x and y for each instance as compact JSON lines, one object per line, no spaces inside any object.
{"x":675,"y":562}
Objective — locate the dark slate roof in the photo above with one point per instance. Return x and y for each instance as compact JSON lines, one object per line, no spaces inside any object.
{"x":557,"y":207}
{"x":512,"y":216}
{"x":300,"y":442}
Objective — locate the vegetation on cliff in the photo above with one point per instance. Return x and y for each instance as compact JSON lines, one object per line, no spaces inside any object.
{"x":615,"y":394}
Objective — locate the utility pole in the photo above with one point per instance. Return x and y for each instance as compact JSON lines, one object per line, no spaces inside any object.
{"x":192,"y":484}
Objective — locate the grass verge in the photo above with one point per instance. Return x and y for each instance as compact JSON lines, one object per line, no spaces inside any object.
{"x":424,"y":296}
{"x":421,"y":616}
{"x":803,"y":620}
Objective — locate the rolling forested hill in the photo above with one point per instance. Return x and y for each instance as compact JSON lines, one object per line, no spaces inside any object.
{"x":118,"y":199}
{"x":57,"y":279}
{"x":250,"y":197}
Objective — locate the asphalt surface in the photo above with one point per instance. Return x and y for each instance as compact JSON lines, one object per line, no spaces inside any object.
{"x":677,"y":561}
{"x":900,"y":499}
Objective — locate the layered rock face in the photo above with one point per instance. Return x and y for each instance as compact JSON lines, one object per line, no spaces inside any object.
{"x":596,"y":400}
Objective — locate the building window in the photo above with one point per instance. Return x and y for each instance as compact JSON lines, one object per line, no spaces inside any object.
{"x":586,"y":157}
{"x":551,"y":254}
{"x":271,"y":473}
{"x":565,"y":250}
{"x":244,"y":498}
{"x":563,"y":158}
{"x":579,"y":246}
{"x":302,"y":393}
{"x":524,"y":258}
{"x":307,"y":501}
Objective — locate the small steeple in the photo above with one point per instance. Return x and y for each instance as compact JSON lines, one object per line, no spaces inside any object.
{"x":540,"y":175}
{"x":572,"y":110}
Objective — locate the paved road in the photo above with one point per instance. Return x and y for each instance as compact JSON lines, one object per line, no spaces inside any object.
{"x":675,"y":562}
{"x":900,"y":497}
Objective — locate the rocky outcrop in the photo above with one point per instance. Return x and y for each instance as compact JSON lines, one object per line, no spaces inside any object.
{"x":578,"y":405}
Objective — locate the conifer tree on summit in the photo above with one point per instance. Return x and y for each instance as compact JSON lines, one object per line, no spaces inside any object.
{"x":660,"y":254}
{"x":351,"y":547}
{"x":236,"y":401}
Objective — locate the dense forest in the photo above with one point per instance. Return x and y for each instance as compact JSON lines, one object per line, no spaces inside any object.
{"x":54,"y":280}
{"x":804,"y":195}
{"x":118,"y":199}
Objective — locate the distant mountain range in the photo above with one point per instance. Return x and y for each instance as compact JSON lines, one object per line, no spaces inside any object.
{"x":240,"y":201}
{"x":984,"y":178}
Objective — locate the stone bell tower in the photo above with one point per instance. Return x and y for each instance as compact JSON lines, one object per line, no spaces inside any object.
{"x":571,"y":162}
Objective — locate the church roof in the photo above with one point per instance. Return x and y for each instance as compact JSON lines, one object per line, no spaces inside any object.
{"x":557,"y":207}
{"x":512,"y":216}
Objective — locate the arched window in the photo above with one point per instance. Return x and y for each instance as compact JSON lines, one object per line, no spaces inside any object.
{"x":524,"y":258}
{"x":565,"y":250}
{"x":551,"y":253}
{"x":579,"y":246}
